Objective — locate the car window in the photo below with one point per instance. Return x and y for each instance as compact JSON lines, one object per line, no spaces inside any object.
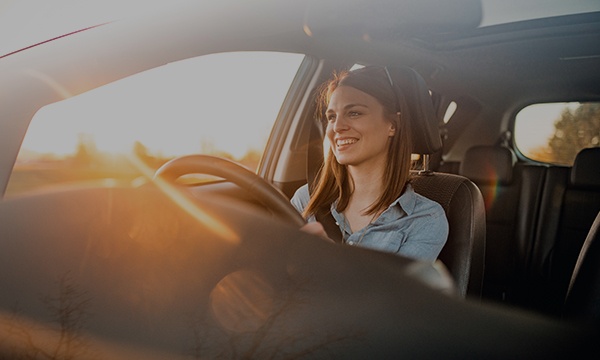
{"x":450,"y":110}
{"x":555,"y":132}
{"x":220,"y":104}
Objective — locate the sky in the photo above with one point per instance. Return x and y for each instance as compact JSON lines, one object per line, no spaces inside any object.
{"x":159,"y":108}
{"x":173,"y":109}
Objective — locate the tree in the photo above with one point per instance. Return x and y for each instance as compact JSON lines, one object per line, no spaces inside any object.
{"x":86,"y":150}
{"x":576,"y":129}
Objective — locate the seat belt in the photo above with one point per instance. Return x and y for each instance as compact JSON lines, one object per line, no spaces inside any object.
{"x":314,"y":162}
{"x":331,"y":227}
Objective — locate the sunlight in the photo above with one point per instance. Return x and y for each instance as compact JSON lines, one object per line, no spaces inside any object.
{"x":223,"y":105}
{"x":181,"y":108}
{"x":213,"y":224}
{"x":534,"y":124}
{"x":242,"y":301}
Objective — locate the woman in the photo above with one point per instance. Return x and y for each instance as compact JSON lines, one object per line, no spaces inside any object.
{"x":364,"y":181}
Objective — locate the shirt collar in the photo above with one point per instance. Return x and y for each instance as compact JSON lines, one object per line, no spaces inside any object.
{"x":407,"y":202}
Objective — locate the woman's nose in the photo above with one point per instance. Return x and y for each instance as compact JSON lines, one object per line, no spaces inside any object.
{"x":340,"y":124}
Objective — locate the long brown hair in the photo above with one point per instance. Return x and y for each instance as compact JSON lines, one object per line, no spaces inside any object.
{"x":333,"y":181}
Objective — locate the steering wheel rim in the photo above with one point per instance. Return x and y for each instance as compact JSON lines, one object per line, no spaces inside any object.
{"x":234,"y":172}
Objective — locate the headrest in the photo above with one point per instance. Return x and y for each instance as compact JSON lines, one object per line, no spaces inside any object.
{"x":488,"y":165}
{"x":586,"y":168}
{"x":415,"y":98}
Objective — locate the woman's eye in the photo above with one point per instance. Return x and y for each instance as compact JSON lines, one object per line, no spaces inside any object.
{"x":353,"y":113}
{"x":331,"y":118}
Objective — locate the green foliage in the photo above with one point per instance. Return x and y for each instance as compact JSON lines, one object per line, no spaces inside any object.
{"x":576,"y":129}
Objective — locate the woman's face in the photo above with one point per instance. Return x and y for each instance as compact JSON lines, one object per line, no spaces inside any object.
{"x":357,"y":127}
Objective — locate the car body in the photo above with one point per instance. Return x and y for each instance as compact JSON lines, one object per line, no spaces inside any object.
{"x":123,"y":264}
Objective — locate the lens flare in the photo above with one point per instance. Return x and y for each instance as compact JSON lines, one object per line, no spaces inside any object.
{"x":59,"y":88}
{"x":490,"y":191}
{"x":242,"y":301}
{"x":213,"y":224}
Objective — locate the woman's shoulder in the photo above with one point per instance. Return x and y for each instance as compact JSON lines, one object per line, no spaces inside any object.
{"x":301,"y":198}
{"x":302,"y":192}
{"x":423,"y":203}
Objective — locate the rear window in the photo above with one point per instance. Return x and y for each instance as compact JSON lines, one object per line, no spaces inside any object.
{"x":554,"y":133}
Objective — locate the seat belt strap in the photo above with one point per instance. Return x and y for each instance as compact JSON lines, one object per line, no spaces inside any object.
{"x":331,"y":227}
{"x":313,"y":164}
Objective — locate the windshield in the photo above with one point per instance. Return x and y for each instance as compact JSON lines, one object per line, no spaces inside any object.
{"x":223,"y":105}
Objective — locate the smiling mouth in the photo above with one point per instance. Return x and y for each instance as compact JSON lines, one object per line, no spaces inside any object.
{"x":343,"y":142}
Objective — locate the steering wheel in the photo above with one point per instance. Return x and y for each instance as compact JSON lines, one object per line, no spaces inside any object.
{"x":239,"y":175}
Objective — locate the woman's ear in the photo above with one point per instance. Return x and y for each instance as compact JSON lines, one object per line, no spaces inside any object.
{"x":392,"y":131}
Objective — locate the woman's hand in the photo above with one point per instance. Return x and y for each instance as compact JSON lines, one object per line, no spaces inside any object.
{"x":316,"y":228}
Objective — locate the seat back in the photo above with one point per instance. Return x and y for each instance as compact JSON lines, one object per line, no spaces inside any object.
{"x":569,"y":205}
{"x":462,"y":201}
{"x":512,"y":192}
{"x":583,"y":295}
{"x":464,"y":252}
{"x":492,"y":169}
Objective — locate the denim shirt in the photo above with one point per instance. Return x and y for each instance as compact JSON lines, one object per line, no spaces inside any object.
{"x":412,"y":226}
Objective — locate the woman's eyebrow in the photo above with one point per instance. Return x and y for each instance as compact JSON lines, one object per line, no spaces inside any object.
{"x":348,"y":106}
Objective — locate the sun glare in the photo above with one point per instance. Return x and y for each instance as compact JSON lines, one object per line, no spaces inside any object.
{"x":221,"y":104}
{"x":181,"y":108}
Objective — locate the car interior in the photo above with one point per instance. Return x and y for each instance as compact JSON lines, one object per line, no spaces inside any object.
{"x":519,"y":276}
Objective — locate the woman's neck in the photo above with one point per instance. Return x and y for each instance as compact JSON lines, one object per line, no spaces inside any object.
{"x":368,"y":186}
{"x":367,"y":189}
